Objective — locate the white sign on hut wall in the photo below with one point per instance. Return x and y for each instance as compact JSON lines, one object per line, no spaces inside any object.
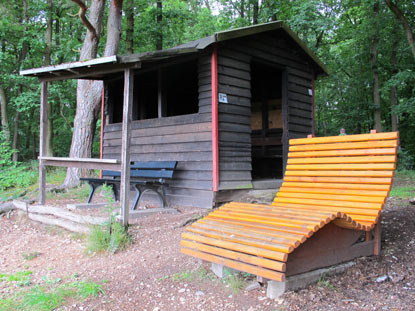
{"x":310,"y":92}
{"x":223,"y":98}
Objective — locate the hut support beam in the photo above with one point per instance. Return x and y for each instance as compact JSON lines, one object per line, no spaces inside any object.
{"x":215,"y":122}
{"x":125,"y":145}
{"x":42,"y":137}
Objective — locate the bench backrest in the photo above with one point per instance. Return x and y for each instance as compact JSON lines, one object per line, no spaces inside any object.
{"x":151,"y":169}
{"x":350,"y":174}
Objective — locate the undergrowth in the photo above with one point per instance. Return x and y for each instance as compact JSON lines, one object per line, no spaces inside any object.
{"x":110,"y":237}
{"x":48,"y":295}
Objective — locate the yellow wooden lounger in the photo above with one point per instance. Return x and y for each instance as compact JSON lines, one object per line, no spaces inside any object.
{"x":326,"y":212}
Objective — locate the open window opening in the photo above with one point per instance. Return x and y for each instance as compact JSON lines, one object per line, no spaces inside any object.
{"x":162,"y":92}
{"x":266,"y":122}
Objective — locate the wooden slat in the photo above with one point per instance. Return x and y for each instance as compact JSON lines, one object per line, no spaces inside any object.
{"x":307,"y":232}
{"x":302,"y":206}
{"x":270,"y":210}
{"x":279,"y":256}
{"x":265,"y":220}
{"x":385,"y":187}
{"x":343,"y":166}
{"x":347,"y":138}
{"x":341,"y":180}
{"x":361,"y":159}
{"x":341,"y":173}
{"x":268,"y":274}
{"x":329,"y":197}
{"x":372,"y":193}
{"x":342,"y":153}
{"x":242,"y":240}
{"x":249,"y":259}
{"x":329,"y":203}
{"x":261,"y":231}
{"x":256,"y":227}
{"x":276,"y":215}
{"x":239,"y":232}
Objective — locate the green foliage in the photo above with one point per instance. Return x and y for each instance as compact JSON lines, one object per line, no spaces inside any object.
{"x":403,"y":192}
{"x":235,"y":282}
{"x":50,"y":296}
{"x":405,"y":160}
{"x":31,"y":255}
{"x":112,"y":236}
{"x":188,"y":276}
{"x":21,"y":278}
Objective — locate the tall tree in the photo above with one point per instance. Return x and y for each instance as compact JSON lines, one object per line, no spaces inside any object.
{"x":159,"y":14}
{"x":405,"y":23}
{"x":375,"y":71}
{"x":48,"y":62}
{"x":89,"y":92}
{"x":4,"y":117}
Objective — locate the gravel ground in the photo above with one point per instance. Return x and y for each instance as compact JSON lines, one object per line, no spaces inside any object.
{"x":153,"y":275}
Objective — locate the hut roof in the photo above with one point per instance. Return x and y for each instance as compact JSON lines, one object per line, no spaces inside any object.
{"x":99,"y":68}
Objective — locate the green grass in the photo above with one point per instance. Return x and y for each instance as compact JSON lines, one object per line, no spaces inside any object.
{"x":403,"y":192}
{"x":31,"y":255}
{"x":102,"y":239}
{"x":405,"y":175}
{"x":323,"y":282}
{"x":188,"y":276}
{"x":20,"y":278}
{"x":235,"y":282}
{"x":50,"y":295}
{"x":77,"y":193}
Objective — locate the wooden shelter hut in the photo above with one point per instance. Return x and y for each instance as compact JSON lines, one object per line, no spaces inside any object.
{"x":223,"y":106}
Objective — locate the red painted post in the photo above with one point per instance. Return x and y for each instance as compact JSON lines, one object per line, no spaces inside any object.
{"x":314,"y":107}
{"x":102,"y":129}
{"x":215,"y":123}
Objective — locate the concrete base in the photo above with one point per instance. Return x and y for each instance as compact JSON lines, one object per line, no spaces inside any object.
{"x":274,"y":184}
{"x":146,"y":212}
{"x":85,"y":205}
{"x":220,"y":272}
{"x":276,"y":289}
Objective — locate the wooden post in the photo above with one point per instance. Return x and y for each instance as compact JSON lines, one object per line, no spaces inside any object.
{"x":314,"y":104}
{"x":377,"y":237}
{"x":161,"y":102}
{"x":285,"y":128}
{"x":101,"y":141}
{"x":42,"y":139}
{"x":125,"y":145}
{"x":215,"y":122}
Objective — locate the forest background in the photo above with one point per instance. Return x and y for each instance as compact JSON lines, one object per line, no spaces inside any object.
{"x":367,"y":45}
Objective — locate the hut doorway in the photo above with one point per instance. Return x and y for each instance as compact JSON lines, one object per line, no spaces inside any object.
{"x":266,"y":122}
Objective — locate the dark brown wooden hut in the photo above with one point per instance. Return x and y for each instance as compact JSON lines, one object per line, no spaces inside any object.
{"x":223,"y":106}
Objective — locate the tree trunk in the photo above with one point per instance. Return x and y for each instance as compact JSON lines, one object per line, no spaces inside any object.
{"x":255,"y":13}
{"x":4,"y":117}
{"x":88,"y":94}
{"x":48,"y":62}
{"x":15,"y":136}
{"x":374,"y":55}
{"x":393,"y":92}
{"x":159,"y":39}
{"x":404,"y":21}
{"x":129,"y":35}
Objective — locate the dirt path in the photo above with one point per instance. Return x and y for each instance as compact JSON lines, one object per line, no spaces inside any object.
{"x":152,"y":274}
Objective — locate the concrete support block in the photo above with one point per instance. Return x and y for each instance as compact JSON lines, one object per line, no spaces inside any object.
{"x":295,"y":282}
{"x":85,"y":205}
{"x":276,"y":289}
{"x":220,"y":271}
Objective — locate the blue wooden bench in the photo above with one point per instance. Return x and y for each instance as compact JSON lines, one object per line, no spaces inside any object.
{"x":145,"y":176}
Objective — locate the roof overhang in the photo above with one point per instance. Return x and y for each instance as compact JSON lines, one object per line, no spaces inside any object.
{"x":100,"y":68}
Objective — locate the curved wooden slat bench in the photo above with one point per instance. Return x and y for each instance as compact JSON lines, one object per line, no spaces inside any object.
{"x":327,"y":210}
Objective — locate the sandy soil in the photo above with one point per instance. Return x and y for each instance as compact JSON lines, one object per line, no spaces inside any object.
{"x":153,"y":275}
